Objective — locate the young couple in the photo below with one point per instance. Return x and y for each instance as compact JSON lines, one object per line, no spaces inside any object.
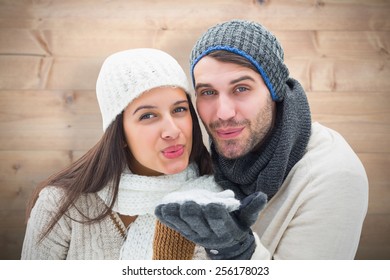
{"x":276,"y":185}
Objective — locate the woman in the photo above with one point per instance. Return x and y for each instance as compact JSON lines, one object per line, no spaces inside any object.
{"x":102,"y":206}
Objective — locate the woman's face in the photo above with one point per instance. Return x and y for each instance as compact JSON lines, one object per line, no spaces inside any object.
{"x":158,"y":131}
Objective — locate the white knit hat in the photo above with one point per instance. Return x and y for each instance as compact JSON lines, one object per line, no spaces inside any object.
{"x":125,"y":75}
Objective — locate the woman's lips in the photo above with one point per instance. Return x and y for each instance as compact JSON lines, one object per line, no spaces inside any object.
{"x":229,"y":133}
{"x":173,"y":151}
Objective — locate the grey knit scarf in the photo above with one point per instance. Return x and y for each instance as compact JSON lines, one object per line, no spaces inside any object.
{"x":265,"y":170}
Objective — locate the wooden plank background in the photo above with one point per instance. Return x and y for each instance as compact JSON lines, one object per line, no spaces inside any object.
{"x":51,"y":52}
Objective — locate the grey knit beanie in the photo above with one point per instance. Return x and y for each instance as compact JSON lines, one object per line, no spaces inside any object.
{"x":252,"y":41}
{"x":125,"y":75}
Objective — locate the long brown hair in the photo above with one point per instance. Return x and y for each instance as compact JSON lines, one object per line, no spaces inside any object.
{"x":103,"y":164}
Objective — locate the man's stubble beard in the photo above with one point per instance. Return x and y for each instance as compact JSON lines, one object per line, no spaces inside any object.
{"x":259,"y":131}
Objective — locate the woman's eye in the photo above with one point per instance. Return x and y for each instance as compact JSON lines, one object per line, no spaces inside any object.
{"x":146,"y":116}
{"x":180,"y":109}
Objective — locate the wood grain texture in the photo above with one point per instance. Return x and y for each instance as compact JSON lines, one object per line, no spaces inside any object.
{"x":72,"y":73}
{"x":179,"y":15}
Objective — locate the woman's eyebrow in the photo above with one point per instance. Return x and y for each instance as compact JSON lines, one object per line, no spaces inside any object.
{"x":148,"y":107}
{"x":143,"y":107}
{"x":180,"y":101}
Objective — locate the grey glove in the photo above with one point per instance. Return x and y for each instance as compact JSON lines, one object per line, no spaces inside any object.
{"x":224,"y":235}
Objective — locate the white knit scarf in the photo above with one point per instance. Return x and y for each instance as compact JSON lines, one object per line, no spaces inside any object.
{"x":139,"y":195}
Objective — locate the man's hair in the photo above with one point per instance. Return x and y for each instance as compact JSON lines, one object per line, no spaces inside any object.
{"x":229,"y":57}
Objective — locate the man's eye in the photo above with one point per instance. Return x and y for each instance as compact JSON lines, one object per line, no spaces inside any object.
{"x":208,"y":92}
{"x":241,"y":89}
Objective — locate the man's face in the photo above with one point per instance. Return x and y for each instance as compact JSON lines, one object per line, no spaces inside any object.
{"x":234,"y":105}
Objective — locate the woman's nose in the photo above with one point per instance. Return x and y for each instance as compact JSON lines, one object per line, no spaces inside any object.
{"x":170,"y":130}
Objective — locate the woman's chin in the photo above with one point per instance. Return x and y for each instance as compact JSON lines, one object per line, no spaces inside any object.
{"x":176,"y":168}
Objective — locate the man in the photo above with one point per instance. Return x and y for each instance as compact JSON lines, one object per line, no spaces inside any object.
{"x":263,"y":143}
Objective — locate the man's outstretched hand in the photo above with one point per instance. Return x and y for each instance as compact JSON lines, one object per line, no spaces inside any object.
{"x":224,"y":234}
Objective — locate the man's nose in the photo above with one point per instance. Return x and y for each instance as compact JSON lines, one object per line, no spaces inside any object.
{"x":226,"y":108}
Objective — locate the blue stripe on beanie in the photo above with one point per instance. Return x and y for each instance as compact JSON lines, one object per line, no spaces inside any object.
{"x":238,"y":52}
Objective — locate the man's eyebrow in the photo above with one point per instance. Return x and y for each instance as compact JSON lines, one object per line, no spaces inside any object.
{"x":246,"y":77}
{"x":201,"y":85}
